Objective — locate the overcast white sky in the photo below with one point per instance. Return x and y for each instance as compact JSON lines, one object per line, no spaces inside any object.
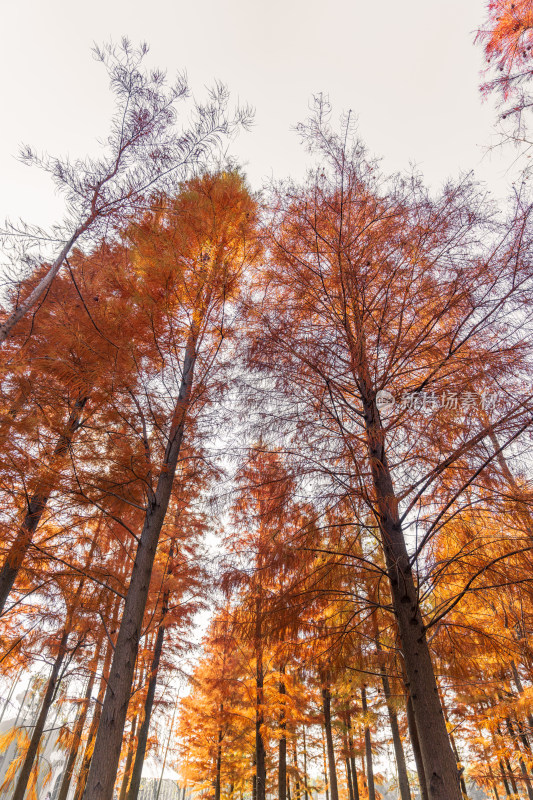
{"x":409,"y":71}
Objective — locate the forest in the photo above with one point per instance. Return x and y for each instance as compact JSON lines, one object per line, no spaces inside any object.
{"x":267,"y":519}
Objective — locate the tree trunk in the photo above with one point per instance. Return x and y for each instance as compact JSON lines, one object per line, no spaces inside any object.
{"x":148,"y":706}
{"x":523,"y":769}
{"x":403,"y":780}
{"x":439,"y":762}
{"x":44,"y":283}
{"x":415,"y":744}
{"x":306,"y":791}
{"x":22,"y":782}
{"x":456,"y":752}
{"x":326,"y":700}
{"x":504,"y":779}
{"x":368,"y":750}
{"x":297,"y":790}
{"x":129,"y":760}
{"x":87,"y":754}
{"x":282,"y":745}
{"x":218,"y":766}
{"x":76,"y":739}
{"x":36,"y":506}
{"x":260,"y":765}
{"x":107,"y":747}
{"x":326,"y":782}
{"x":349,"y":778}
{"x":355,"y":784}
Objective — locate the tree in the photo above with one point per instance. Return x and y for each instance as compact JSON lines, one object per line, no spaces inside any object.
{"x":208,"y":233}
{"x":367,"y":290}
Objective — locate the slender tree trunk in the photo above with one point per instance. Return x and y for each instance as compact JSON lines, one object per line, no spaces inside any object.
{"x":368,"y":750}
{"x":325,"y":765}
{"x":504,"y":779}
{"x":297,"y":788}
{"x":260,"y":762}
{"x":355,"y":783}
{"x":403,"y":780}
{"x":148,"y":706}
{"x":415,"y":744}
{"x":349,"y":778}
{"x":22,"y":782}
{"x":129,"y":760}
{"x":439,"y":762}
{"x":107,"y":747}
{"x":87,"y":755}
{"x":218,"y":766}
{"x":306,"y":791}
{"x":282,"y":745}
{"x":455,"y":751}
{"x":36,"y":507}
{"x":523,"y":770}
{"x":78,"y":730}
{"x":326,"y":701}
{"x":45,"y":282}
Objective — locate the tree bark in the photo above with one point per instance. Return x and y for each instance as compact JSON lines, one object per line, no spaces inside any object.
{"x":326,"y":700}
{"x":297,"y":789}
{"x":36,"y":507}
{"x":355,"y":784}
{"x":22,"y":782}
{"x":325,"y":765}
{"x":368,"y":750}
{"x":260,"y":763}
{"x":104,"y":762}
{"x":148,"y":706}
{"x":218,"y":766}
{"x":87,"y":754}
{"x":415,"y":744}
{"x":129,"y":760}
{"x":304,"y":744}
{"x":282,"y":745}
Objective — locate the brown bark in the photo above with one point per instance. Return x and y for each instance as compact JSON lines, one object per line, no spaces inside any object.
{"x":87,"y":754}
{"x":349,"y":778}
{"x":140,"y":752}
{"x":353,"y":770}
{"x":326,"y":700}
{"x":129,"y":760}
{"x":368,"y":750}
{"x":260,"y":760}
{"x":415,"y":744}
{"x":218,"y":766}
{"x":282,"y":745}
{"x":36,"y":506}
{"x":325,"y":765}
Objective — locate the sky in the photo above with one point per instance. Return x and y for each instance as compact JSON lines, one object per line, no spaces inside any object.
{"x":409,"y":71}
